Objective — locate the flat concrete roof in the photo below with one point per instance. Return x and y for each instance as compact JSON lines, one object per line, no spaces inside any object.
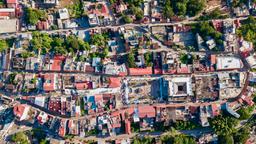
{"x":228,"y":62}
{"x":8,"y":26}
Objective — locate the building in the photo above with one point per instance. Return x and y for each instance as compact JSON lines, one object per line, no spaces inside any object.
{"x":7,"y":13}
{"x":63,"y":13}
{"x":228,"y":63}
{"x":21,"y":111}
{"x":179,"y":86}
{"x":50,"y":82}
{"x":8,"y":25}
{"x":12,"y":3}
{"x":93,"y":20}
{"x":251,"y":60}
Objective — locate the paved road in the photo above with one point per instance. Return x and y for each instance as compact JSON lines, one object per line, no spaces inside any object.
{"x":188,"y":21}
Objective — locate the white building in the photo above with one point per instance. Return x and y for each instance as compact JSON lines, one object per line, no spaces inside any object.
{"x":228,"y":62}
{"x":251,"y":60}
{"x":63,"y":13}
{"x":179,"y":86}
{"x":93,"y":20}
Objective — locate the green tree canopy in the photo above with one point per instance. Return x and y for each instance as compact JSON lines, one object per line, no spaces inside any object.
{"x":131,"y":60}
{"x":34,"y":15}
{"x":177,"y":139}
{"x":3,"y":45}
{"x":137,"y":12}
{"x":41,"y":42}
{"x":248,"y":30}
{"x":180,"y":8}
{"x":194,"y":7}
{"x":227,"y":139}
{"x":20,"y":138}
{"x":168,"y":10}
{"x":98,"y":40}
{"x":245,"y":112}
{"x":144,"y":140}
{"x":242,"y":135}
{"x":126,"y":18}
{"x":223,"y":125}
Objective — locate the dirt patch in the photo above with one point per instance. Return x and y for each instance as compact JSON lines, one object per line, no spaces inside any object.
{"x":213,"y":4}
{"x":66,"y":3}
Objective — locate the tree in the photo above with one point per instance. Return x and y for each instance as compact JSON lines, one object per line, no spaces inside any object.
{"x":27,"y":54}
{"x":134,"y":2}
{"x":248,"y":30}
{"x":185,"y":125}
{"x":34,"y":15}
{"x":20,"y":138}
{"x":73,"y":43}
{"x":76,"y":10}
{"x":205,"y":30}
{"x":3,"y":45}
{"x":131,"y":60}
{"x":148,"y":59}
{"x":83,"y":45}
{"x":177,"y":139}
{"x":168,"y":11}
{"x":180,"y":8}
{"x":41,"y":42}
{"x":223,"y":125}
{"x":57,"y":41}
{"x":126,"y":18}
{"x":226,"y":139}
{"x":242,"y":135}
{"x":245,"y":113}
{"x":186,"y":58}
{"x":137,"y":12}
{"x":195,"y":6}
{"x":144,"y":140}
{"x":98,"y":40}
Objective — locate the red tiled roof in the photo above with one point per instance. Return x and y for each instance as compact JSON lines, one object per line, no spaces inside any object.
{"x":157,"y":71}
{"x":62,"y":130}
{"x":183,"y":70}
{"x":82,"y":86}
{"x":215,"y":110}
{"x":127,"y":127}
{"x":4,"y":14}
{"x":116,"y":125}
{"x":104,"y":9}
{"x":193,"y":109}
{"x":11,"y":1}
{"x":54,"y":105}
{"x":59,"y":57}
{"x":245,"y":53}
{"x":98,"y":98}
{"x":213,"y":59}
{"x":56,"y":66}
{"x":146,"y":111}
{"x":18,"y":110}
{"x":89,"y":69}
{"x":217,"y":24}
{"x":49,"y":86}
{"x":42,"y":25}
{"x":170,"y":71}
{"x":122,"y":74}
{"x":114,"y":82}
{"x":140,"y":71}
{"x":248,"y":100}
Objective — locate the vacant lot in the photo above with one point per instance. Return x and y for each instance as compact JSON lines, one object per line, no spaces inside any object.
{"x":66,"y":3}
